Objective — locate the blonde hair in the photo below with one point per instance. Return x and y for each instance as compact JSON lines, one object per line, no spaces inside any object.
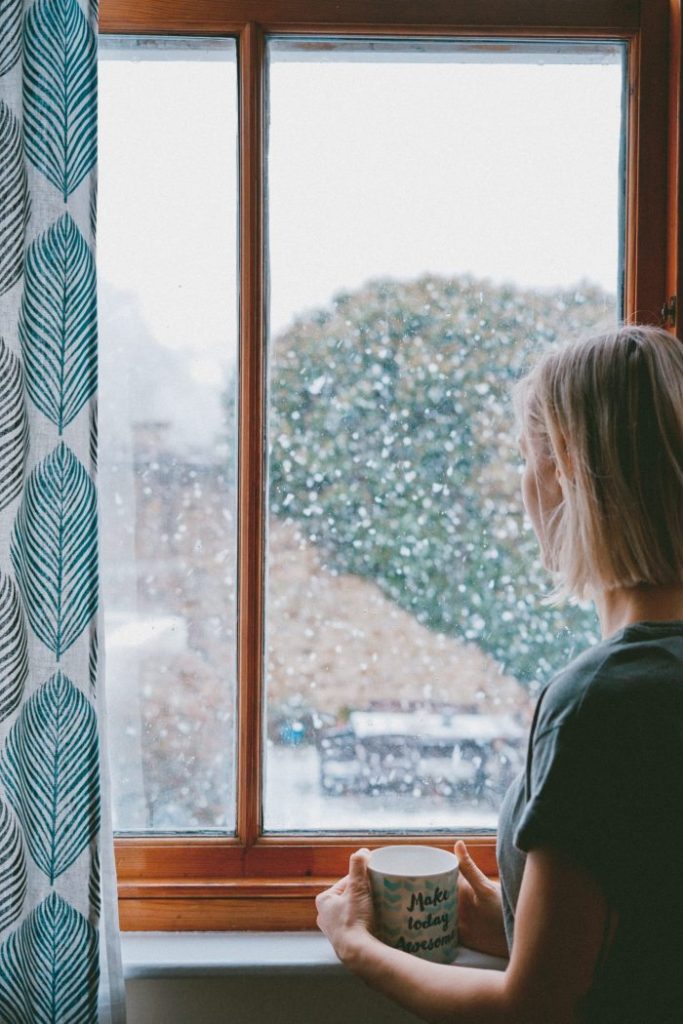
{"x":609,"y":412}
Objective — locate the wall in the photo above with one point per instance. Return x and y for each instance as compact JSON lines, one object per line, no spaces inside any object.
{"x":246,"y":977}
{"x":277,"y":1000}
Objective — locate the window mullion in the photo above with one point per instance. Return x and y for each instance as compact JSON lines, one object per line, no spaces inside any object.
{"x":251,"y":497}
{"x":646,"y":246}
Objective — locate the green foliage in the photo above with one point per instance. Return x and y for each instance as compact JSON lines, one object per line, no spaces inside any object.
{"x":393,"y":447}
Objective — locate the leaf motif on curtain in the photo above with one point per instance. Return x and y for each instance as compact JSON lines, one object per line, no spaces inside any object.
{"x":54,"y":550}
{"x":58,"y":322}
{"x":50,"y":770}
{"x":95,"y":887}
{"x":10,"y":34}
{"x":12,"y":869}
{"x":52,"y":808}
{"x":92,"y":212}
{"x":15,"y":200}
{"x":14,"y":436}
{"x":49,"y":969}
{"x":93,"y":657}
{"x":13,"y":648}
{"x":94,"y":434}
{"x":60,"y":92}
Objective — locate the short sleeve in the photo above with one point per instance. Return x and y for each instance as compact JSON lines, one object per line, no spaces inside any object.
{"x":574,"y":775}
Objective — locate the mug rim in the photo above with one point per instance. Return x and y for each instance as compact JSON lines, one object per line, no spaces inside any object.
{"x":442,"y":869}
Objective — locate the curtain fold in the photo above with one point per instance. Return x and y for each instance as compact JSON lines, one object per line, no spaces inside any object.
{"x":59,"y":945}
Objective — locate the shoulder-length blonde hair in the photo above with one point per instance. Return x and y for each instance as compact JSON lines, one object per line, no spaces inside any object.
{"x":609,"y":412}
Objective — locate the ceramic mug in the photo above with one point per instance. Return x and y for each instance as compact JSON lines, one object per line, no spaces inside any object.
{"x":415,"y":896}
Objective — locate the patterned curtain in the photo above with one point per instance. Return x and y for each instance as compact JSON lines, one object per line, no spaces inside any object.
{"x":59,"y":957}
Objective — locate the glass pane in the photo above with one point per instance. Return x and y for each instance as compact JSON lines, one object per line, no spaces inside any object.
{"x":437,"y":211}
{"x":168,"y":337}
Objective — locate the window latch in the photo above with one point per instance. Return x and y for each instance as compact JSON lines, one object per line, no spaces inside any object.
{"x":669,"y":312}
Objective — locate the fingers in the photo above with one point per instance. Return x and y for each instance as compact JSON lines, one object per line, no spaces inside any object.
{"x":357,"y":874}
{"x":358,"y":863}
{"x":338,"y":889}
{"x":469,"y":870}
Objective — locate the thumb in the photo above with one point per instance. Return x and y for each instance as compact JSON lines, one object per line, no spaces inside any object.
{"x":358,"y":864}
{"x":469,"y":869}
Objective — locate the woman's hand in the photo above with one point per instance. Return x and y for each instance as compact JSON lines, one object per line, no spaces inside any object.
{"x":480,"y":911}
{"x":345,"y":911}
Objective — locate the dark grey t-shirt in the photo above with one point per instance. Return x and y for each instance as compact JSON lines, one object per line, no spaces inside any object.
{"x":604,"y":784}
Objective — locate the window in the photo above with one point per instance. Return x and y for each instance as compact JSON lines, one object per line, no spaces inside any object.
{"x":405,"y":639}
{"x":166,"y":441}
{"x":325,"y":517}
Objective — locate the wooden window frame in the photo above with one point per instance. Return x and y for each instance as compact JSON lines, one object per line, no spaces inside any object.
{"x":268,"y":882}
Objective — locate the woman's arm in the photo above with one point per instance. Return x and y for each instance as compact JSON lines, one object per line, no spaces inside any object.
{"x":434,"y":992}
{"x":559,"y":928}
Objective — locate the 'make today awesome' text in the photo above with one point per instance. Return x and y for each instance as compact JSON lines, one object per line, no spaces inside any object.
{"x":419,"y":902}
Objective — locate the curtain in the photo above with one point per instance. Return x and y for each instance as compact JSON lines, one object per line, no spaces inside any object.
{"x":59,"y":955}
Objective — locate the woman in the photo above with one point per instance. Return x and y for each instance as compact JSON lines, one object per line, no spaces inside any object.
{"x":590,"y":911}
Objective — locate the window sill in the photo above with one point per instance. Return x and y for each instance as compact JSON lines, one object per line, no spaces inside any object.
{"x":221,"y":954}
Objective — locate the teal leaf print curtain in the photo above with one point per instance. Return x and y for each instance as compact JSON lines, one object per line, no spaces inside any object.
{"x":59,"y":948}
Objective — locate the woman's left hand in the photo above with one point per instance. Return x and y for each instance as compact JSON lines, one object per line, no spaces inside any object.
{"x":345,"y":910}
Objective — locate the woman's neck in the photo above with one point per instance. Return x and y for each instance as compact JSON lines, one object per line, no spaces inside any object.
{"x":626,"y":605}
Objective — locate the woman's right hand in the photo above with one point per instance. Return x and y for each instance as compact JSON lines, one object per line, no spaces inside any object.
{"x":480,"y":910}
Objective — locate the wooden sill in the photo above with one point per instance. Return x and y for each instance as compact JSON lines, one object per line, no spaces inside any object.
{"x":218,"y":885}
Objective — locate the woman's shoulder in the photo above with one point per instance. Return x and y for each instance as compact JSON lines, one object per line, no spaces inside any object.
{"x":638,"y":668}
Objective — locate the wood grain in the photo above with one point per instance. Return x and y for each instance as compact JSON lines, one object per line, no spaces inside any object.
{"x":229,"y":16}
{"x":251,"y":471}
{"x":646,"y":224}
{"x":163,"y":858}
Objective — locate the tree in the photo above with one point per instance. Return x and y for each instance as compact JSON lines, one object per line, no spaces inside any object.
{"x":392,"y":444}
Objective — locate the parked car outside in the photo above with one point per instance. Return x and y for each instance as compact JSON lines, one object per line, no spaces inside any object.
{"x":461,"y":755}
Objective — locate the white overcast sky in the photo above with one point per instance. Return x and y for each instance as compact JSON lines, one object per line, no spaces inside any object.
{"x":377,"y":168}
